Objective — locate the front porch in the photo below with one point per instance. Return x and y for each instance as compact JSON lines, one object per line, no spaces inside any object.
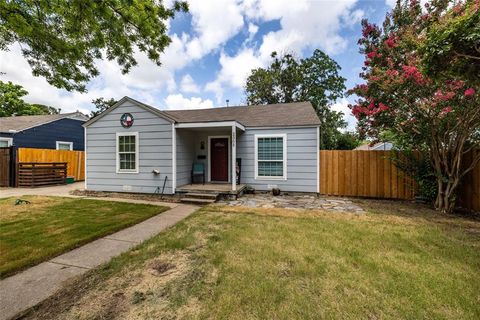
{"x":211,"y":146}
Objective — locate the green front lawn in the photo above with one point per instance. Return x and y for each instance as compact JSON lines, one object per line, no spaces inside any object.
{"x":48,"y":226}
{"x":398,"y":261}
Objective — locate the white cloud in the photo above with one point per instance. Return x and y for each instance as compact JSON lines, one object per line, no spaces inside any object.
{"x":391,"y":3}
{"x":178,"y":101}
{"x":252,"y":31}
{"x":342,"y":106}
{"x":353,"y":18}
{"x":215,"y":21}
{"x":188,"y":85}
{"x":234,"y":71}
{"x":252,"y":28}
{"x":304,"y":25}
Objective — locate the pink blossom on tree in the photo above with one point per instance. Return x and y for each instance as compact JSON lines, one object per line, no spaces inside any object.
{"x":391,"y":41}
{"x":469,"y":92}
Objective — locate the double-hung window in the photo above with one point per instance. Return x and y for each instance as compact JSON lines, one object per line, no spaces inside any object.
{"x":127,"y":152}
{"x":271,"y":156}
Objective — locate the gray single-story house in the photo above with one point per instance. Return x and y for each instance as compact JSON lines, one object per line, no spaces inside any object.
{"x":133,"y":147}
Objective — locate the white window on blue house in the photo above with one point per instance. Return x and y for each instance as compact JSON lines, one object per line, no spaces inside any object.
{"x":64,"y":145}
{"x":127,"y":152}
{"x":271,"y":156}
{"x":6,"y":142}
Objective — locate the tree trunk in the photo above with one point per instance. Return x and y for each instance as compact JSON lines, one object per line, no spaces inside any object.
{"x":446,"y":195}
{"x":447,"y":165}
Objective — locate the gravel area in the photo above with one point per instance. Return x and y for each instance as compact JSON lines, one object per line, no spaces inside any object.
{"x":300,"y":201}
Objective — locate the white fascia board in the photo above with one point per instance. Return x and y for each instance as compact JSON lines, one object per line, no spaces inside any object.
{"x":210,"y":125}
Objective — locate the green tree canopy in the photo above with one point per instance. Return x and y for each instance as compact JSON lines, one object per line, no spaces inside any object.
{"x":453,"y":36}
{"x":289,"y":79}
{"x":61,"y":39}
{"x":12,"y":103}
{"x":348,"y":141}
{"x":101,"y":104}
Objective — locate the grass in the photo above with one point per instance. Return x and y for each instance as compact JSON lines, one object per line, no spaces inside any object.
{"x":48,"y":226}
{"x":396,"y":261}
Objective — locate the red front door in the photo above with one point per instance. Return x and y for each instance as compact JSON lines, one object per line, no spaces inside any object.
{"x":219,"y":159}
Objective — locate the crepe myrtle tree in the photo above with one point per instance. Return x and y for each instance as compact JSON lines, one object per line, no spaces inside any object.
{"x":427,"y":106}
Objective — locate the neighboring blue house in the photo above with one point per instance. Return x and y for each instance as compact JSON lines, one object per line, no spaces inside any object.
{"x":53,"y":131}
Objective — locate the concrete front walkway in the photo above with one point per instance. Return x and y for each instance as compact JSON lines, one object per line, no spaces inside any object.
{"x":28,"y":288}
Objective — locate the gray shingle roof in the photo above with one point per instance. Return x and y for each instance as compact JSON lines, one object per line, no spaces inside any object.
{"x":20,"y":123}
{"x":270,"y":115}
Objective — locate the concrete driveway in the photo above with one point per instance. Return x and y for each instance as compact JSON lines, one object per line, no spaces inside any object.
{"x":62,"y":190}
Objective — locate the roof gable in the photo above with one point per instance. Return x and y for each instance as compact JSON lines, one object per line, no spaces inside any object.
{"x":125,"y":99}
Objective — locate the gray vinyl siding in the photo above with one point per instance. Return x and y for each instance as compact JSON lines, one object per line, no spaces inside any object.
{"x":302,"y":159}
{"x":185,"y":156}
{"x":155,"y":152}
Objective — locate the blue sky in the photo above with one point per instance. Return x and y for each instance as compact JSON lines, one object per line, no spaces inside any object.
{"x":213,"y":49}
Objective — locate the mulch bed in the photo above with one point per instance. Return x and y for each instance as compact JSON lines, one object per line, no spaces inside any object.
{"x":124,"y":195}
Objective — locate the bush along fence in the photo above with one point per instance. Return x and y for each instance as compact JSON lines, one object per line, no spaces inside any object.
{"x":358,"y":173}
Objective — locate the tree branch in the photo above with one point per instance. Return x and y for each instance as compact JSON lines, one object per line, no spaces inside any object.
{"x":466,"y":55}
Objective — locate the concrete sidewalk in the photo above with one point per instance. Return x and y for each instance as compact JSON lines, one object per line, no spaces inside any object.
{"x":61,"y":190}
{"x":28,"y":288}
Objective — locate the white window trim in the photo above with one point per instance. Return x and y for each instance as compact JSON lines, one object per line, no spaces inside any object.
{"x":209,"y":160}
{"x":137,"y":148}
{"x":9,"y":141}
{"x":64,"y":142}
{"x":279,"y":135}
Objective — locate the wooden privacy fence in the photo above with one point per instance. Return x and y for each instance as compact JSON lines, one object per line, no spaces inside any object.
{"x":359,"y":173}
{"x":75,"y":159}
{"x":469,"y":194}
{"x":5,"y":163}
{"x":34,"y":174}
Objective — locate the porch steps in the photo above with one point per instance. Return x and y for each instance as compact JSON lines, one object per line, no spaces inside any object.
{"x":200,"y":198}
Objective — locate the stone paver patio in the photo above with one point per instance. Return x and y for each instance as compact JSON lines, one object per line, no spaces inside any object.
{"x":299,"y":201}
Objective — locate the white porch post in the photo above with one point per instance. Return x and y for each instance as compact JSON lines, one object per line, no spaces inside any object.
{"x":234,"y":158}
{"x":174,"y":158}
